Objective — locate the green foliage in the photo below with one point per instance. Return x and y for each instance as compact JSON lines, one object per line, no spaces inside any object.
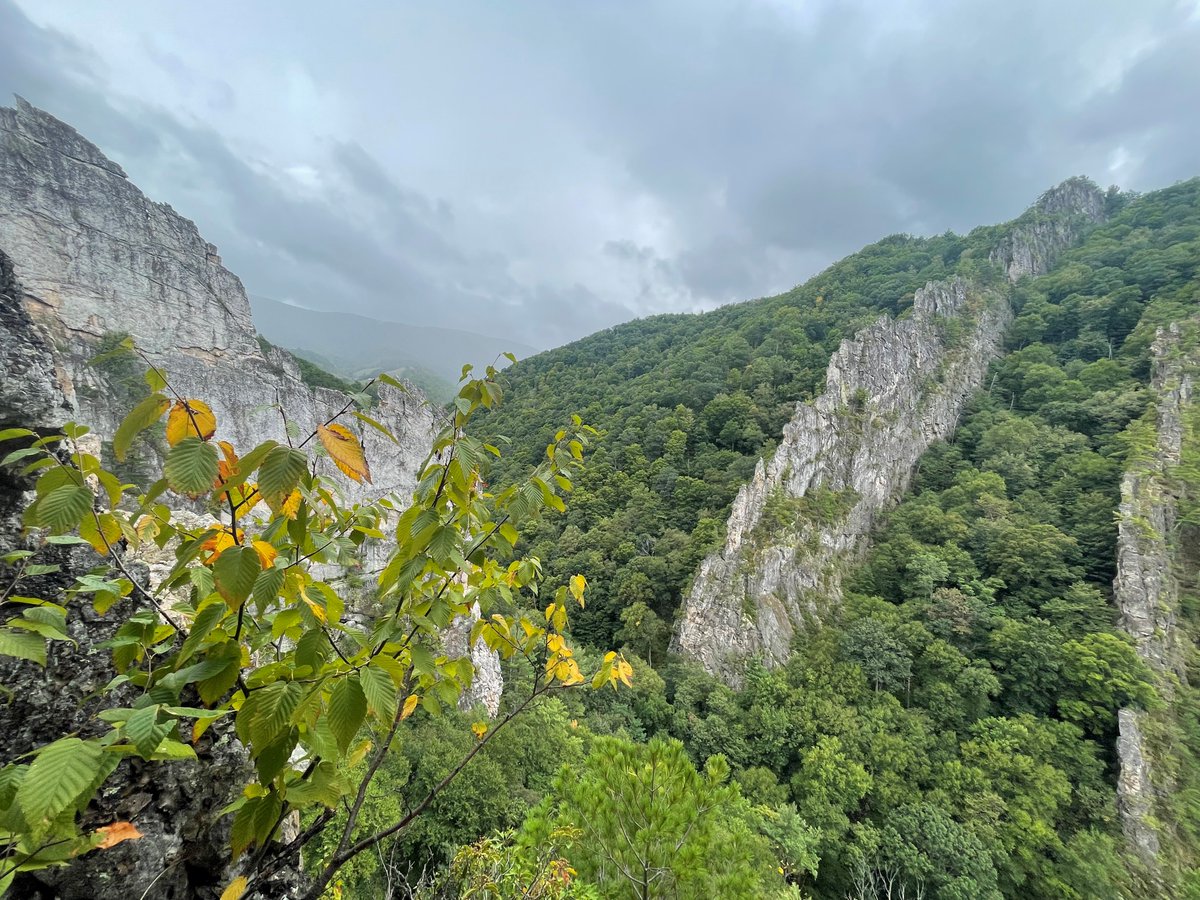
{"x":314,"y":695}
{"x":651,"y":826}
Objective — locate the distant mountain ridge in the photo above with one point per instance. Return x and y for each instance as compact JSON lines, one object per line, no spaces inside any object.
{"x":356,"y":346}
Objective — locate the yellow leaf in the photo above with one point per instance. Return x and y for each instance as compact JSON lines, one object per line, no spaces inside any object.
{"x":190,"y":418}
{"x":359,"y":753}
{"x":116,"y":833}
{"x":101,"y":534}
{"x":227,"y":451}
{"x":409,"y":705}
{"x":218,"y":543}
{"x":236,"y":889}
{"x":266,"y":553}
{"x":200,"y":727}
{"x":578,"y":583}
{"x":479,"y":729}
{"x":347,"y":454}
{"x":291,"y":506}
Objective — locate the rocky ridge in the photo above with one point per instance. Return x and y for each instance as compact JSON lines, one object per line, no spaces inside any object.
{"x":893,"y":390}
{"x":1147,"y":594}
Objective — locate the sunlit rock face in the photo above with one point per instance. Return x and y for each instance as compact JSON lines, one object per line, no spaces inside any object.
{"x":85,"y":256}
{"x":898,"y":386}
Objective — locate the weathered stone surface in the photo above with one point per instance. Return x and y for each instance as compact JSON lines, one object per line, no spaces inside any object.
{"x":1050,"y":227}
{"x":890,"y":392}
{"x":488,"y":685}
{"x":96,"y":257}
{"x":84,"y":254}
{"x":1135,"y":790}
{"x":896,"y":388}
{"x":1147,"y":592}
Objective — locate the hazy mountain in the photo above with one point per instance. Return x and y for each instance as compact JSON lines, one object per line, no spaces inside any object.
{"x":357,"y":346}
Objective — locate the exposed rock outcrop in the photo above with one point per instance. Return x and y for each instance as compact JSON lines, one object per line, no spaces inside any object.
{"x":1051,"y":226}
{"x":85,"y":256}
{"x":1147,"y":593}
{"x":97,"y":258}
{"x":893,"y":390}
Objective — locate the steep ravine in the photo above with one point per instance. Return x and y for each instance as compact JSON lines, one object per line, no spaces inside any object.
{"x":1147,"y":591}
{"x":893,"y":390}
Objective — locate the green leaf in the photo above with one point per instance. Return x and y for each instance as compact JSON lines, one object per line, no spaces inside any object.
{"x":7,"y":434}
{"x":280,"y":472}
{"x":139,"y":419}
{"x":205,"y":621}
{"x":144,"y":731}
{"x":58,"y":775}
{"x":214,"y":687}
{"x":271,"y":712}
{"x":254,"y":822}
{"x":377,"y":426}
{"x":191,"y":467}
{"x":380,"y":692}
{"x":347,"y":710}
{"x":64,"y":507}
{"x":267,"y":587}
{"x":23,"y":646}
{"x":272,"y":759}
{"x":323,"y":786}
{"x":235,"y":572}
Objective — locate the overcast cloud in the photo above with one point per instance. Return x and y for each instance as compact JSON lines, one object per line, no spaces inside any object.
{"x":540,"y":170}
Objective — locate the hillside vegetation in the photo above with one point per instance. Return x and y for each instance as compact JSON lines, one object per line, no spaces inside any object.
{"x":955,"y":726}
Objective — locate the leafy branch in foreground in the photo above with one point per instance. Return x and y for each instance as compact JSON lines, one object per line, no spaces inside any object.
{"x":248,"y":627}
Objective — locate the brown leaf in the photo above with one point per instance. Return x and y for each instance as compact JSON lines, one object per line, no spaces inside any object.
{"x":116,"y":833}
{"x":345,"y":450}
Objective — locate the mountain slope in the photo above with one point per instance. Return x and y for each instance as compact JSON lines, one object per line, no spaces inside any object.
{"x":976,"y":717}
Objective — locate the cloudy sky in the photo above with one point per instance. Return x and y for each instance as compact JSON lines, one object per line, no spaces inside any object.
{"x":539,"y":170}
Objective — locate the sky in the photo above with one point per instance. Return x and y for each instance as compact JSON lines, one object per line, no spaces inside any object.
{"x":540,"y":170}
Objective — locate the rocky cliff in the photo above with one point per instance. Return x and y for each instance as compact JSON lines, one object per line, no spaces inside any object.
{"x":893,"y":390}
{"x":1151,"y":555}
{"x":85,"y":258}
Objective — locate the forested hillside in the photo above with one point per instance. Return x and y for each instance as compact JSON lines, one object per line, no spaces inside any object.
{"x":955,"y":726}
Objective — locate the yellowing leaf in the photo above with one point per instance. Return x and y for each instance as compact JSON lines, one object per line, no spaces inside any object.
{"x":578,"y":583}
{"x":190,"y":418}
{"x":479,"y":729}
{"x":347,"y":454}
{"x":218,"y":543}
{"x":236,"y":889}
{"x":101,"y":531}
{"x":266,"y":553}
{"x":409,"y":706}
{"x":227,"y":451}
{"x":116,"y":833}
{"x":291,"y":506}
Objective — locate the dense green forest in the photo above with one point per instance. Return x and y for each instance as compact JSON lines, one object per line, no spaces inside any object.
{"x":953,"y":729}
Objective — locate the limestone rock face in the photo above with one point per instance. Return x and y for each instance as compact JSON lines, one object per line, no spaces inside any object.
{"x":85,"y":255}
{"x":893,"y":390}
{"x":96,"y":257}
{"x":890,"y":392}
{"x":1147,"y":591}
{"x":1049,"y":228}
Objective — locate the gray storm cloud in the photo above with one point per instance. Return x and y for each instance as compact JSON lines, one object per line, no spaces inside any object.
{"x":539,"y":171}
